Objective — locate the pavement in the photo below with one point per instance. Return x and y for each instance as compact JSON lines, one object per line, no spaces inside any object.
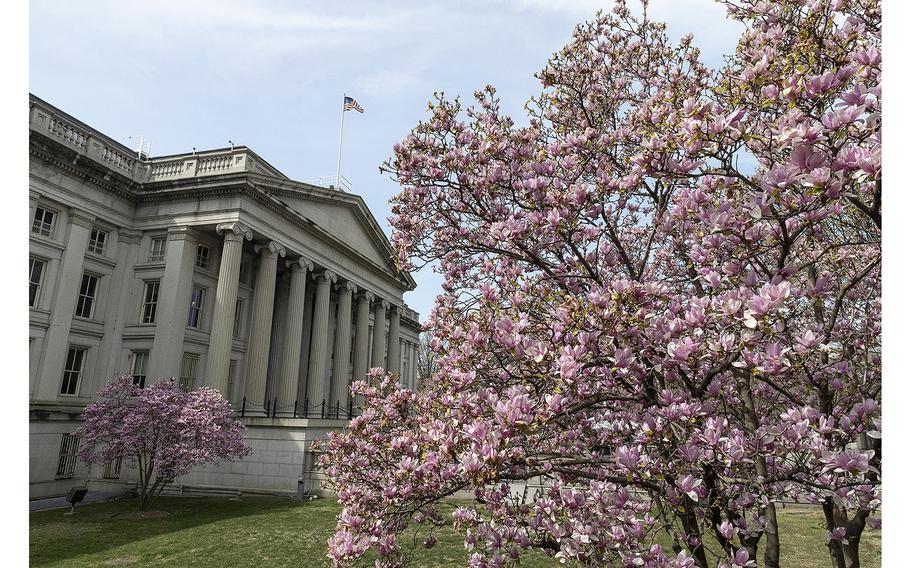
{"x":60,"y":502}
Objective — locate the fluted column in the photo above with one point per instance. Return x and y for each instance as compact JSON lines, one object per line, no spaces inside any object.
{"x":341,"y":379}
{"x":361,"y":337}
{"x":261,"y":331}
{"x":379,"y":334}
{"x":219,"y":359}
{"x":293,"y":332}
{"x":319,"y":343}
{"x":394,"y":340}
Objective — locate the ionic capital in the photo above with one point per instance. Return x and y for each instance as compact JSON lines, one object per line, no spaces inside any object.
{"x":385,"y":305}
{"x":350,"y":286}
{"x":301,"y":263}
{"x":271,"y":249}
{"x":234,"y":230}
{"x":368,"y":296}
{"x":327,"y":275}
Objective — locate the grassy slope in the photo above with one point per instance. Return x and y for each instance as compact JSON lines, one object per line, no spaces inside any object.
{"x":276,"y":532}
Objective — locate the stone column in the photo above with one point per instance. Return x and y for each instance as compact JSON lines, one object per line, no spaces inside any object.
{"x":120,"y":305}
{"x":69,"y":278}
{"x":394,"y":340}
{"x":293,"y":332}
{"x":319,"y":344}
{"x":261,"y":331}
{"x":341,"y":379}
{"x":219,"y":358}
{"x":361,"y":339}
{"x":379,"y":334}
{"x":173,"y":305}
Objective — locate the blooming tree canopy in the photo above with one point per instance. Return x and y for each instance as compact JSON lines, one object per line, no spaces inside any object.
{"x":661,"y":300}
{"x":161,"y":430}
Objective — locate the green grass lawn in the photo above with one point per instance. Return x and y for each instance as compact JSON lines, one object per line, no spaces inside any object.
{"x":273,"y":531}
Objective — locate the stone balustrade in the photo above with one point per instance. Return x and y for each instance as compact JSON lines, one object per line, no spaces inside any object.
{"x":52,"y":124}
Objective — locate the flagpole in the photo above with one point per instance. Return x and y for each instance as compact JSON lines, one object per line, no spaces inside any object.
{"x":340,"y":138}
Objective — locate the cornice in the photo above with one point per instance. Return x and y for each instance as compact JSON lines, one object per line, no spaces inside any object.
{"x":53,"y":156}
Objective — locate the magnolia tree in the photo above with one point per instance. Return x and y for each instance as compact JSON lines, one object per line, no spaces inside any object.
{"x":661,"y":300}
{"x":161,"y":431}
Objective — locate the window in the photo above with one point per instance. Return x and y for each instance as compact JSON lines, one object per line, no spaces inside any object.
{"x":156,"y":252}
{"x":112,"y":468}
{"x":43,"y":223}
{"x":188,"y":371}
{"x":96,"y":240}
{"x":66,"y":464}
{"x":35,"y":272}
{"x":196,"y":307}
{"x":232,"y":372}
{"x":238,"y":317}
{"x":244,"y":268}
{"x":75,"y":358}
{"x":150,"y":301}
{"x":202,"y":256}
{"x":85,"y":304}
{"x":140,"y":367}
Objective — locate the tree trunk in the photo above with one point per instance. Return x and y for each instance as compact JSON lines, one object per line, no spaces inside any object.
{"x":832,"y":516}
{"x":772,"y":539}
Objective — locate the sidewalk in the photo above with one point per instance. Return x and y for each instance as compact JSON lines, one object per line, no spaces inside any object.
{"x":60,"y":502}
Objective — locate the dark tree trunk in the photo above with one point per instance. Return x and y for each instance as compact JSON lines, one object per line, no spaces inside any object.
{"x":772,"y":539}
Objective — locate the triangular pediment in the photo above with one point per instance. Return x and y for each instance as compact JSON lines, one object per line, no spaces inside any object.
{"x":345,"y":217}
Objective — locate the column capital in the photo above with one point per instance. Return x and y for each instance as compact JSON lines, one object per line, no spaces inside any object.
{"x":385,"y":305}
{"x":178,"y":233}
{"x":299,"y":264}
{"x":328,"y":275}
{"x":395,"y":309}
{"x":272,"y":248}
{"x":236,"y":229}
{"x":82,"y":218}
{"x":349,"y":286}
{"x":368,"y":296}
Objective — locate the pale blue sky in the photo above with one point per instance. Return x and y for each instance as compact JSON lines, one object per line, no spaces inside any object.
{"x":270,"y":75}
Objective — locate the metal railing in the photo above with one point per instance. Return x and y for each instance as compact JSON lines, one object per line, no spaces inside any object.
{"x":341,"y":183}
{"x":301,"y":409}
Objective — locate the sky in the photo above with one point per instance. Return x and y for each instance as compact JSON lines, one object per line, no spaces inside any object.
{"x":271,"y":74}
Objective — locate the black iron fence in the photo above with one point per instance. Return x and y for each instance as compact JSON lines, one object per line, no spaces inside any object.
{"x":301,"y":409}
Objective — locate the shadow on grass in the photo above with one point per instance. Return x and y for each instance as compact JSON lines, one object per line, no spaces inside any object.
{"x":83,"y":539}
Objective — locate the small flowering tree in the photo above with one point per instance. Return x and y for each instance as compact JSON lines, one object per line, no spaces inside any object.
{"x":661,"y":299}
{"x":161,"y":430}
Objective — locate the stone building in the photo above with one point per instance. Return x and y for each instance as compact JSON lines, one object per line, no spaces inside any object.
{"x":211,"y":267}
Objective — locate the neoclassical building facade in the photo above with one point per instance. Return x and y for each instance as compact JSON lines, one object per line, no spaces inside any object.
{"x":210,"y":267}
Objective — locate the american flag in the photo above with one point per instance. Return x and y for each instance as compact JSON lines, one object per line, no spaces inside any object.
{"x":351,"y":104}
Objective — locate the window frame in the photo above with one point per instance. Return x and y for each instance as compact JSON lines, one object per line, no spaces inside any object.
{"x":237,"y":327}
{"x":72,"y":377}
{"x":194,"y":317}
{"x":157,"y":256}
{"x":83,"y":297}
{"x":149,"y":305}
{"x":38,"y":227}
{"x":66,"y":457}
{"x":144,"y":357}
{"x":242,"y":272}
{"x":112,"y":468}
{"x":203,"y":254}
{"x":95,"y":244}
{"x":34,"y":261}
{"x":188,"y":380}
